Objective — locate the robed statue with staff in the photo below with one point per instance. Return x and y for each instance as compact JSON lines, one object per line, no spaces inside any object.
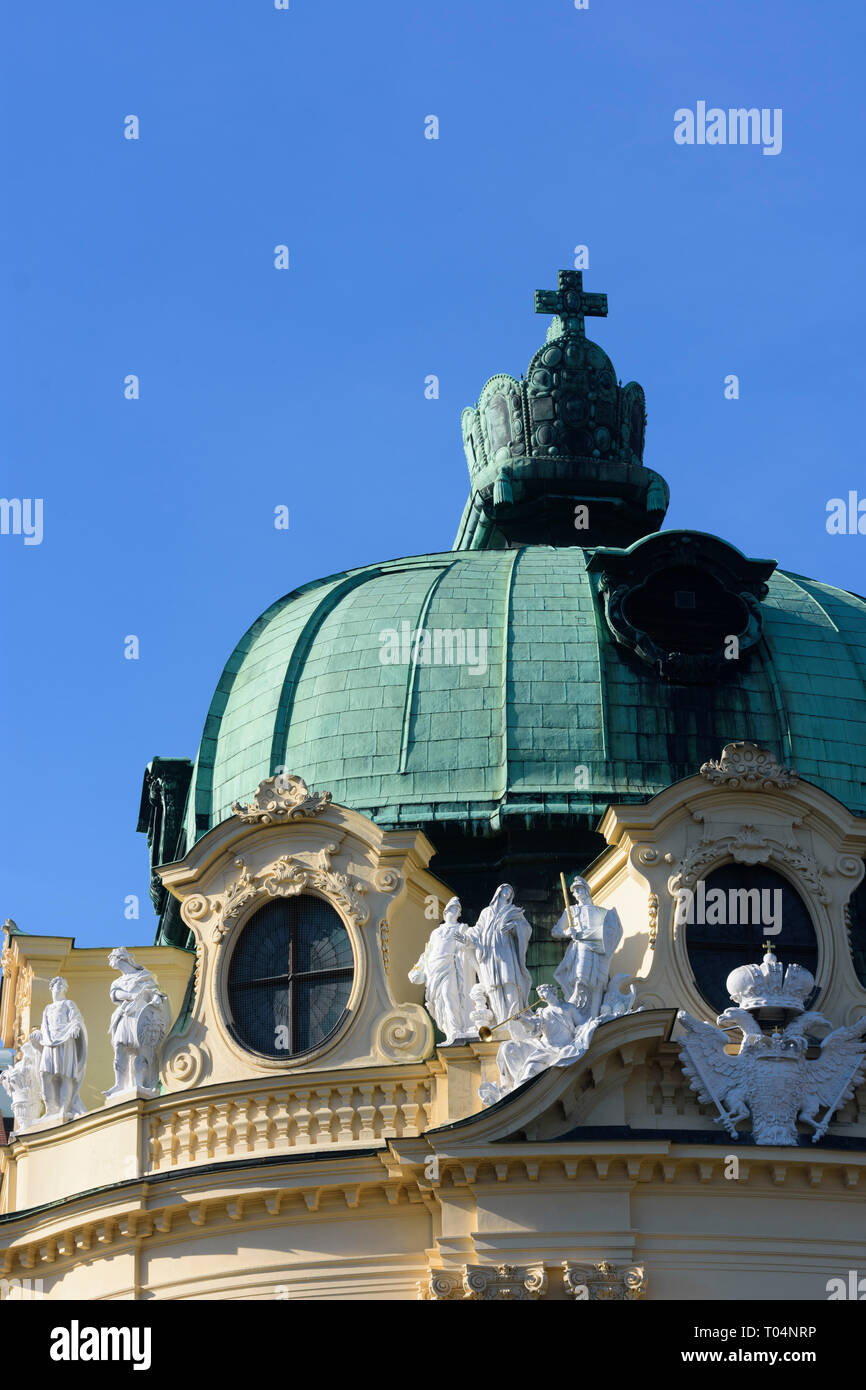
{"x":593,"y":935}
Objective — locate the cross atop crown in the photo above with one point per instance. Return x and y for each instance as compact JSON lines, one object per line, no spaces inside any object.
{"x":571,"y":303}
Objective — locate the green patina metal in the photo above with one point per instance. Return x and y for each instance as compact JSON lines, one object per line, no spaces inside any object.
{"x":567,"y":435}
{"x":596,"y":684}
{"x":417,"y":742}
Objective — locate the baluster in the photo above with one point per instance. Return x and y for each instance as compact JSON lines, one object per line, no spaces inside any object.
{"x":303,"y":1119}
{"x":410,"y":1109}
{"x":345,"y":1115}
{"x":388,"y":1111}
{"x":324,"y":1117}
{"x":367,"y":1113}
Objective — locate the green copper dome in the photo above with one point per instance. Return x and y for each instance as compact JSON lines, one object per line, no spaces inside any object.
{"x":503,"y":693}
{"x":563,"y":718}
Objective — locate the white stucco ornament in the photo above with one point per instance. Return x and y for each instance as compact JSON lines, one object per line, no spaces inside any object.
{"x":447,"y":969}
{"x":62,"y":1040}
{"x":770,"y":1078}
{"x":281,"y":798}
{"x":21,"y":1082}
{"x":138,"y":1026}
{"x":480,"y":1015}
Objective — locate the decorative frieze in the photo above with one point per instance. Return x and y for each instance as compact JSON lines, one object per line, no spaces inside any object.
{"x":749,"y":845}
{"x":65,"y":1233}
{"x":485,"y":1284}
{"x":598,"y":1283}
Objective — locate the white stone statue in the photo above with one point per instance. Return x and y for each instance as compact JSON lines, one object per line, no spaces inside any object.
{"x":63,"y":1042}
{"x":138,"y":1026}
{"x":552,"y":1038}
{"x":21,"y":1082}
{"x":770,"y":1079}
{"x":447,"y":968}
{"x":500,"y":937}
{"x":537,"y":1039}
{"x":593,"y":935}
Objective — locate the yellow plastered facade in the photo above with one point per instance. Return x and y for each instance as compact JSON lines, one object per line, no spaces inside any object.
{"x":369,"y":1170}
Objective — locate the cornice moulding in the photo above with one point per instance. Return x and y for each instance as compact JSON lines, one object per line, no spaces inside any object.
{"x":332,"y":823}
{"x":317,"y":1191}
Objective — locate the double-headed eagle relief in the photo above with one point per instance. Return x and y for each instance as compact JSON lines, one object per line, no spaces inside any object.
{"x":771,"y":1078}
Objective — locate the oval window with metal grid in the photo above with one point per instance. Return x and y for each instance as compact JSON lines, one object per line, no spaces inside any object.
{"x":756,"y":905}
{"x":290,"y":976}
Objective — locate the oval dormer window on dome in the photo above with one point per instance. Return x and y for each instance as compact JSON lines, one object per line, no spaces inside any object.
{"x":685,"y":609}
{"x":729,"y":919}
{"x":684,"y":602}
{"x":289,"y":977}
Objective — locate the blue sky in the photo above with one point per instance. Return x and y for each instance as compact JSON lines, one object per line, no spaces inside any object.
{"x":407,"y":257}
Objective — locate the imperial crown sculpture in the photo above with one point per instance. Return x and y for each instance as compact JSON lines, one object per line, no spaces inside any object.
{"x":769,"y":986}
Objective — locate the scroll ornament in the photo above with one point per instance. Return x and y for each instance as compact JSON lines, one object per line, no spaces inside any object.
{"x":281,"y":798}
{"x":283,"y":879}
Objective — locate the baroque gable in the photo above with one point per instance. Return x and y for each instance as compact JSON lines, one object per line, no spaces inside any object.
{"x":291,"y":843}
{"x":746,"y":809}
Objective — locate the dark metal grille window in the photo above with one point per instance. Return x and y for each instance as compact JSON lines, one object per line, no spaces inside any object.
{"x":290,"y":976}
{"x":686,"y":610}
{"x":715,"y":949}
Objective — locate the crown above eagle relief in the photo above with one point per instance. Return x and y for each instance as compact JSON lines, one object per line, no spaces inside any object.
{"x":770,"y":985}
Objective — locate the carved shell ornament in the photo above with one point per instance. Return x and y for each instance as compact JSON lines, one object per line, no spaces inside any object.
{"x":281,"y":798}
{"x":747,"y":767}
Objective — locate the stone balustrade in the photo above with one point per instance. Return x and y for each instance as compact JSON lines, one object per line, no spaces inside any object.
{"x":283,"y":1115}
